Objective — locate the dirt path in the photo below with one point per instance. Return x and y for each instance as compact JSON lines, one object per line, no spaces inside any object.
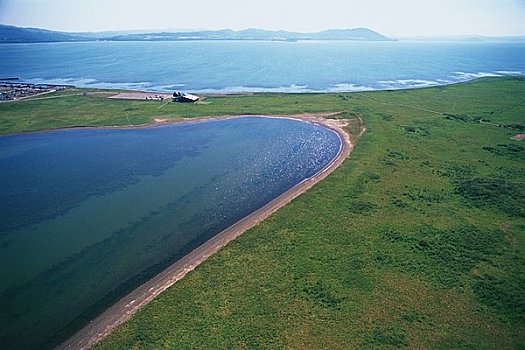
{"x":120,"y":312}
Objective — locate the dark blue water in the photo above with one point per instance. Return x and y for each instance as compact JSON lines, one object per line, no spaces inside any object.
{"x":88,"y":214}
{"x":231,"y":66}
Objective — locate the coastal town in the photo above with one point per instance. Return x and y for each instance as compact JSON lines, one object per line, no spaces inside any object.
{"x":12,"y":90}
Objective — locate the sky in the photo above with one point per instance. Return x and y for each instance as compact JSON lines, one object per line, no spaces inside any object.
{"x":395,"y":18}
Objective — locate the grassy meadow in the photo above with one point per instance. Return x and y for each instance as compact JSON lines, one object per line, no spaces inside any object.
{"x":416,"y":241}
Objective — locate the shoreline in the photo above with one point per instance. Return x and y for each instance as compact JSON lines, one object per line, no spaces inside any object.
{"x":158,"y":122}
{"x":417,"y":84}
{"x":127,"y":306}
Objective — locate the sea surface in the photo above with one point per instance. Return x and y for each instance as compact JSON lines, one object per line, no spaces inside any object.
{"x":86,"y":215}
{"x":246,"y":66}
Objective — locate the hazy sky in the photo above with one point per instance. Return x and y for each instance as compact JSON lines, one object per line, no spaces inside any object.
{"x":390,"y":17}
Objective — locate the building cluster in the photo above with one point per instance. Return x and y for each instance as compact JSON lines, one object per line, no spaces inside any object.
{"x":10,"y":91}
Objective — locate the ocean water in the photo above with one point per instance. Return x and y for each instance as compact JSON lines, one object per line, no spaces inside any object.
{"x":241,"y":66}
{"x":88,"y":214}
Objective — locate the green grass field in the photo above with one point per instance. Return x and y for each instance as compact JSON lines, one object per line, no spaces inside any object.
{"x":416,"y":241}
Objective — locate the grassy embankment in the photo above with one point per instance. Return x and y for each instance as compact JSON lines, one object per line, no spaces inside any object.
{"x":417,"y":240}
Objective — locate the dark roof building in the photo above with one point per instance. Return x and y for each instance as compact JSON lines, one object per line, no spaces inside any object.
{"x":180,"y":97}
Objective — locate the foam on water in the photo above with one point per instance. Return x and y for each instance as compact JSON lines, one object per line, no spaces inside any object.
{"x":234,"y":67}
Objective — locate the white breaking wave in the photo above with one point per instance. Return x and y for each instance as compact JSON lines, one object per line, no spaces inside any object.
{"x":169,"y":88}
{"x":93,"y":83}
{"x":123,"y":86}
{"x":348,"y":87}
{"x":79,"y":82}
{"x":409,"y":83}
{"x":398,"y":84}
{"x":509,"y":72}
{"x":455,"y":78}
{"x":466,"y":76}
{"x":342,"y":87}
{"x":469,"y":76}
{"x":252,"y":89}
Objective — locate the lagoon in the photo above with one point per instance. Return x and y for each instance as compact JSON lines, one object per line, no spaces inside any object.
{"x":89,"y":214}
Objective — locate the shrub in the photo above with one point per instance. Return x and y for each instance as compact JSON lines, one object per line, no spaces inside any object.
{"x":507,"y":295}
{"x":361,"y":207}
{"x":397,"y":155}
{"x":320,"y":294}
{"x":414,"y":130}
{"x":509,"y":150}
{"x":388,"y":336}
{"x":496,"y":192}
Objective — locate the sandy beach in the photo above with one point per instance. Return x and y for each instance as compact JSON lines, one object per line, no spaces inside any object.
{"x":105,"y":323}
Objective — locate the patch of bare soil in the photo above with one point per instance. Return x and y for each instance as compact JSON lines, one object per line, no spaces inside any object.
{"x":140,"y":96}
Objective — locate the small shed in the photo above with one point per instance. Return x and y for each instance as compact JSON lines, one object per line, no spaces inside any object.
{"x":181,"y":97}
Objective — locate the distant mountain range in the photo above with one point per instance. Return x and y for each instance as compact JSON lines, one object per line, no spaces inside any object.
{"x":12,"y":34}
{"x":361,"y":34}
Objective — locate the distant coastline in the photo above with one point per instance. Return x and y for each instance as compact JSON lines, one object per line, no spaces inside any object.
{"x":12,"y":34}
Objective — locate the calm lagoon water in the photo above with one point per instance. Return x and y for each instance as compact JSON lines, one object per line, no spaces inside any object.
{"x":88,"y":214}
{"x":241,"y":66}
